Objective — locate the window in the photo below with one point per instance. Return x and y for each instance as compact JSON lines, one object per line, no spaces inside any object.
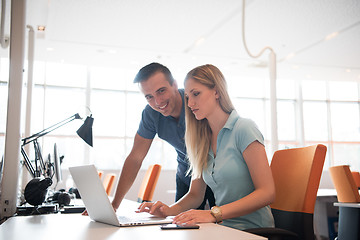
{"x":286,"y":121}
{"x":345,"y":121}
{"x":324,"y":112}
{"x":331,"y":116}
{"x":315,"y":121}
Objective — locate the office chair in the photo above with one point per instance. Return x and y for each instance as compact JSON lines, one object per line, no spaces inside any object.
{"x":344,"y":183}
{"x":148,"y":184}
{"x":356,"y":176}
{"x":347,"y":192}
{"x":296,"y":174}
{"x":108,"y":182}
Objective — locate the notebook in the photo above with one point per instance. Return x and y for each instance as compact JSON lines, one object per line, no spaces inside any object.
{"x":98,"y":205}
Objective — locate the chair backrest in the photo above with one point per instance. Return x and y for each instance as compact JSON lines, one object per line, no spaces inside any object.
{"x":100,"y":173}
{"x":344,"y":183}
{"x":356,"y":176}
{"x":108,"y":182}
{"x":297,"y":174}
{"x":148,"y":184}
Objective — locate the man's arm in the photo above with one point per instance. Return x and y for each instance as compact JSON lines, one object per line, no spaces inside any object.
{"x":131,"y":168}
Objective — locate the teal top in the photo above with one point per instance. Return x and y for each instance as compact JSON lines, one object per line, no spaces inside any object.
{"x":228,"y":175}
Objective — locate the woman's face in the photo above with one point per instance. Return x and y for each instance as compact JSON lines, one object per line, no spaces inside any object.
{"x":201,"y":100}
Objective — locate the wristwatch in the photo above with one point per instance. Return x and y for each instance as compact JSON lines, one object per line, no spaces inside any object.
{"x":216,"y":212}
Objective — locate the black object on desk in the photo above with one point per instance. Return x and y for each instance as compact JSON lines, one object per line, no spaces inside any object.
{"x":37,"y":210}
{"x":72,"y":209}
{"x":176,"y":226}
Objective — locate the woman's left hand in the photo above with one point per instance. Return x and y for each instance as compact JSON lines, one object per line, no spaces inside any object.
{"x":194,"y":216}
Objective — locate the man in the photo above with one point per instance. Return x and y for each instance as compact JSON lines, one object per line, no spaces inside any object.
{"x":164,"y":115}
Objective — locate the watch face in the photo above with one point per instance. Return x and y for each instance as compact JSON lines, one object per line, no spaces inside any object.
{"x":216,"y":210}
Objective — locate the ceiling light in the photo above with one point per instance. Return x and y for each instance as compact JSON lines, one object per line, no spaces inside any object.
{"x":259,"y":64}
{"x":41,"y":28}
{"x":200,"y":41}
{"x":331,"y":35}
{"x":291,"y":55}
{"x":348,"y":70}
{"x":50,"y":49}
{"x":295,"y":67}
{"x":195,"y":44}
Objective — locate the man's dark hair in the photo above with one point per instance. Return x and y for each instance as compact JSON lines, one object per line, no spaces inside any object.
{"x":146,"y":72}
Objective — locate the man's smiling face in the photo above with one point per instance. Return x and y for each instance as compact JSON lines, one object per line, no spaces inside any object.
{"x":160,"y":95}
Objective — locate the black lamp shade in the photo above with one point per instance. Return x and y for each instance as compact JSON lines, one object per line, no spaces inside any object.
{"x":85,"y":131}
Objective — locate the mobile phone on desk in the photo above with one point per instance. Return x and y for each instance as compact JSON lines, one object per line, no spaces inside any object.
{"x":176,"y":226}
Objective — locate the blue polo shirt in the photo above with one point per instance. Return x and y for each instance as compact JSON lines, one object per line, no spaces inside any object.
{"x":170,"y":130}
{"x":228,"y":175}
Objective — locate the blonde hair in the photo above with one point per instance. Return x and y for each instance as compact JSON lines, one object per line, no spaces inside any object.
{"x":198,"y":132}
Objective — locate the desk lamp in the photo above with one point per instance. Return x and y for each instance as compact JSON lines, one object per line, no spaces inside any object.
{"x":36,"y":189}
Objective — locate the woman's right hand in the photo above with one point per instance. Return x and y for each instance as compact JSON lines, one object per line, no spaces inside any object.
{"x":158,"y":208}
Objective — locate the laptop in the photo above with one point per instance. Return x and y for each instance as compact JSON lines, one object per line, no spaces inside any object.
{"x":98,"y":205}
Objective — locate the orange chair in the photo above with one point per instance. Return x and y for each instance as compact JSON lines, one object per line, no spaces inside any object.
{"x":344,"y":183}
{"x":148,"y":184}
{"x":297,"y":174}
{"x":109,"y":182}
{"x":100,"y":174}
{"x":356,"y":176}
{"x":347,"y":193}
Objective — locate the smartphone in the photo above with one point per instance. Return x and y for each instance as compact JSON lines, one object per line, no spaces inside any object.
{"x":175,"y":226}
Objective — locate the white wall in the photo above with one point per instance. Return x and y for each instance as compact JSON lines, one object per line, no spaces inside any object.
{"x":325,"y":181}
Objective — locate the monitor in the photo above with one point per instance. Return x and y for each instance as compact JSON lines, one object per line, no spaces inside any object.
{"x":57,"y":164}
{"x":1,"y":169}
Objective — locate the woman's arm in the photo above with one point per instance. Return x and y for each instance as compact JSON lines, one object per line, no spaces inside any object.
{"x":264,"y":193}
{"x":193,"y":198}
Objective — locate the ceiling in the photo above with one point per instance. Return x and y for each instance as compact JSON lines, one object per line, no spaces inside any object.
{"x":184,"y":34}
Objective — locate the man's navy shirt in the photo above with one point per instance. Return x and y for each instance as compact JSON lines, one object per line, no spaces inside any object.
{"x":170,"y":130}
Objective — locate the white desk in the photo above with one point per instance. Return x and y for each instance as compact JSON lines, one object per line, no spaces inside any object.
{"x":76,"y":226}
{"x":350,"y":205}
{"x":322,"y":192}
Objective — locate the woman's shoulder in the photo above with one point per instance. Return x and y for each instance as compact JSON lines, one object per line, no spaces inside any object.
{"x":246,"y":128}
{"x":242,"y":123}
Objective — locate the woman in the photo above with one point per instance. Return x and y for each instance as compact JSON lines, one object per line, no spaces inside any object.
{"x":227,"y":153}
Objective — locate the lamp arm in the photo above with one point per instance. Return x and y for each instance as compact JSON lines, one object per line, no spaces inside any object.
{"x":27,"y":162}
{"x":35,"y":136}
{"x":39,"y":170}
